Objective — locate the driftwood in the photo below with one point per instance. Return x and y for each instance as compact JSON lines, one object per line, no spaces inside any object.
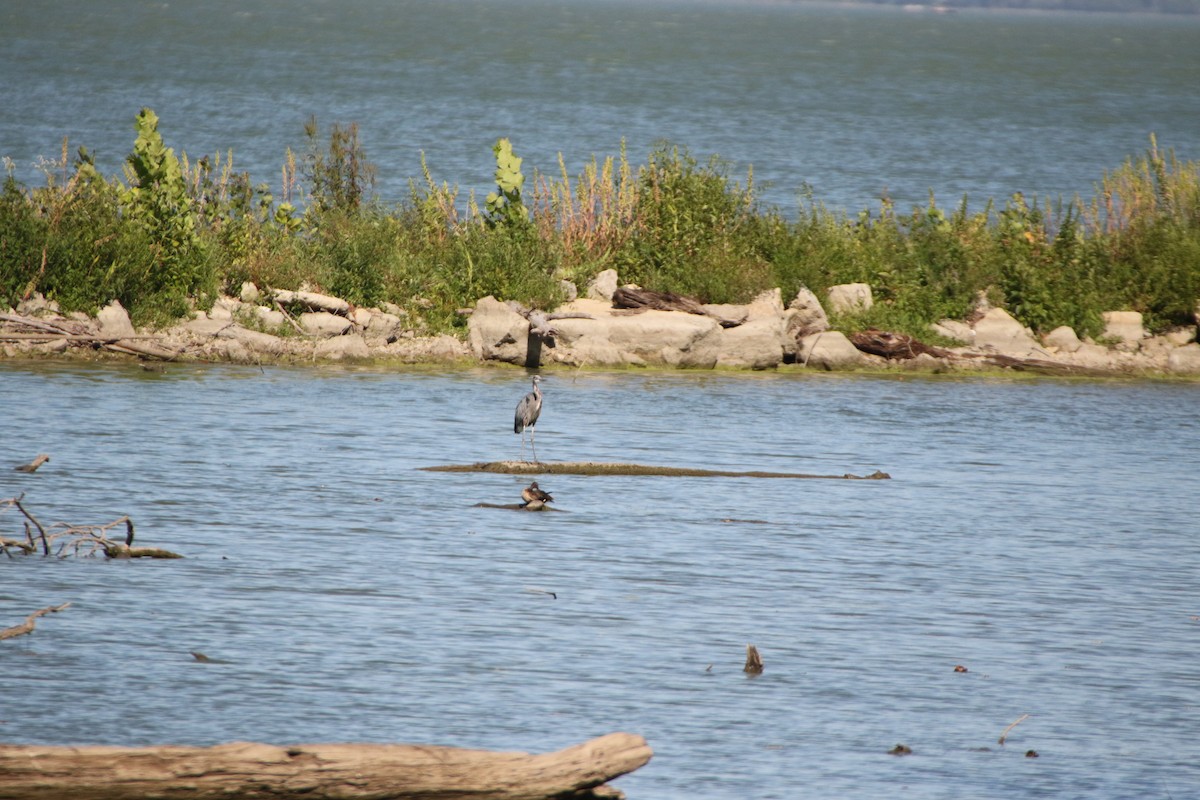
{"x":517,"y":506}
{"x":80,"y":333}
{"x":644,"y":299}
{"x":62,"y":540}
{"x":30,"y":622}
{"x":312,"y":300}
{"x":596,"y":468}
{"x":893,"y":346}
{"x":317,"y":771}
{"x":32,"y":466}
{"x":754,"y":665}
{"x":899,"y":346}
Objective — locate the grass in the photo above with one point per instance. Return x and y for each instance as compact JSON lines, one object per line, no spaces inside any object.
{"x":175,"y":233}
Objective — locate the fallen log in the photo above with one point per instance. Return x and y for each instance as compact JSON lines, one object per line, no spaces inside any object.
{"x":602,"y":468}
{"x":31,"y":622}
{"x":894,"y":346}
{"x":317,"y":771}
{"x":644,"y":299}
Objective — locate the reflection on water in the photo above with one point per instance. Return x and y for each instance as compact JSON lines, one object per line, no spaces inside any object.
{"x":1040,"y":533}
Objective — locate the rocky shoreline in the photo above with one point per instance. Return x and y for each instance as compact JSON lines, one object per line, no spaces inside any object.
{"x":608,"y":327}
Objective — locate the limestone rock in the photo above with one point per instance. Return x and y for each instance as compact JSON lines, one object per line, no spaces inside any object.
{"x":758,"y":344}
{"x":809,"y":316}
{"x":337,"y":348}
{"x":313,"y":300}
{"x":1178,"y":337}
{"x":498,"y":333}
{"x":829,"y":350}
{"x":648,"y":338}
{"x":954,"y":330}
{"x":382,"y":327}
{"x":269,"y":317}
{"x":323,"y":323}
{"x":1185,"y":360}
{"x":255,"y":341}
{"x":1064,"y":338}
{"x":999,"y":331}
{"x":1123,"y":327}
{"x":114,"y":321}
{"x":249,"y":293}
{"x":569,"y":290}
{"x":850,"y":298}
{"x":603,"y":285}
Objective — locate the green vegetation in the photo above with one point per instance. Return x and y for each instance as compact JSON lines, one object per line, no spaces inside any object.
{"x":173,"y":234}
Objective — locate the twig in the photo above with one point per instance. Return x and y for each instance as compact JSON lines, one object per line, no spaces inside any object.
{"x":28,"y":625}
{"x":1020,"y":719}
{"x":41,"y":531}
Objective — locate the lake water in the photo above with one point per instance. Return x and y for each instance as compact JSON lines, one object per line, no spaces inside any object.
{"x":854,"y":103}
{"x":1041,"y":533}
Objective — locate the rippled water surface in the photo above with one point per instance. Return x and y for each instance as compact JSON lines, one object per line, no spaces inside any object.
{"x":854,"y":103}
{"x":1041,"y":533}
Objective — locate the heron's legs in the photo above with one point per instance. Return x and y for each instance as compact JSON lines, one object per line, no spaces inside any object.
{"x":532,"y":444}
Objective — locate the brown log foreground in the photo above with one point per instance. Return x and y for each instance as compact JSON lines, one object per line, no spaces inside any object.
{"x":246,"y":770}
{"x":602,"y":468}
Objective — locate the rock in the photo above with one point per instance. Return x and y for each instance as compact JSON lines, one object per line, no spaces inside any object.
{"x":426,"y":348}
{"x":323,"y":323}
{"x":337,"y":348}
{"x":728,"y":315}
{"x":498,"y":333}
{"x":314,"y":300}
{"x":1178,"y":337}
{"x":360,"y":317}
{"x":648,"y":338}
{"x":809,"y":316}
{"x":269,"y":317}
{"x":850,"y":298}
{"x":768,"y":305}
{"x":255,"y":341}
{"x":1184,"y":360}
{"x":1063,"y":337}
{"x":225,"y":308}
{"x":569,"y":290}
{"x":114,"y":321}
{"x":954,"y":330}
{"x":603,"y":285}
{"x":38,"y":306}
{"x":382,"y":327}
{"x":1123,"y":327}
{"x":1092,"y":356}
{"x":205,"y":327}
{"x":758,"y":344}
{"x":249,"y":293}
{"x":999,"y":331}
{"x":829,"y":350}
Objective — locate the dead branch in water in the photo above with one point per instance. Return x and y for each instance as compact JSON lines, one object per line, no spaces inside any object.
{"x":1020,"y":719}
{"x":754,"y":664}
{"x":62,"y":539}
{"x":318,"y":771}
{"x":30,"y":622}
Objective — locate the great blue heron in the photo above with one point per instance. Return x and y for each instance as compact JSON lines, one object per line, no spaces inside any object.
{"x":534,"y":496}
{"x":527,"y":416}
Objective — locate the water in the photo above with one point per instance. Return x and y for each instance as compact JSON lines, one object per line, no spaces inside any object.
{"x":853,"y":103}
{"x":1042,"y":533}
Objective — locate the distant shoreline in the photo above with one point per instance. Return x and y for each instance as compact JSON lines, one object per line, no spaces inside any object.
{"x":1175,"y":8}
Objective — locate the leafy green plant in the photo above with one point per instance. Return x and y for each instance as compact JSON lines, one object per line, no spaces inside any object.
{"x":505,"y":208}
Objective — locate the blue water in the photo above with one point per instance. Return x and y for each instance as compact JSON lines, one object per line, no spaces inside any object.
{"x":850,"y":104}
{"x":1041,"y":533}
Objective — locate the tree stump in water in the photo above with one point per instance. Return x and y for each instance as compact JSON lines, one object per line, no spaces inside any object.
{"x":317,"y":771}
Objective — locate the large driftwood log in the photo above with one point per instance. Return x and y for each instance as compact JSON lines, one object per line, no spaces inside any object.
{"x":317,"y":771}
{"x":643,"y":299}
